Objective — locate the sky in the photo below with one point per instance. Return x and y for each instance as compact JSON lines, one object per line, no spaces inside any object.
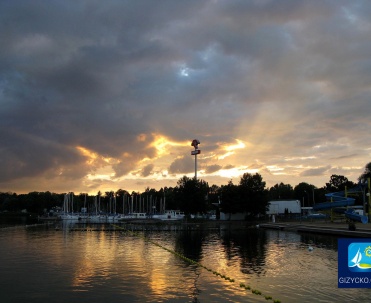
{"x":106,"y":95}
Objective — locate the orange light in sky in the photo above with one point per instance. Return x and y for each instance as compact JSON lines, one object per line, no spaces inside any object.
{"x":93,"y":156}
{"x":88,"y":154}
{"x":230,"y":149}
{"x":161,"y":143}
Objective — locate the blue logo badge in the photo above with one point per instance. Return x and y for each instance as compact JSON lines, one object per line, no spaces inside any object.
{"x":359,"y":257}
{"x":354,"y":263}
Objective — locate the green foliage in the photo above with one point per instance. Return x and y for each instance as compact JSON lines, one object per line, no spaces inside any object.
{"x":281,"y":191}
{"x":213,"y":196}
{"x":248,"y":197}
{"x":194,"y":196}
{"x":230,"y":198}
{"x":253,"y":195}
{"x":366,"y":173}
{"x":338,"y":183}
{"x":8,"y":201}
{"x":304,"y":192}
{"x":191,"y":194}
{"x":34,"y":202}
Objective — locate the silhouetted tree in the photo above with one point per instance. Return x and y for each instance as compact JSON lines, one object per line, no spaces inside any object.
{"x":253,"y":195}
{"x":366,"y":173}
{"x":192,"y":193}
{"x":230,"y":198}
{"x":304,"y":192}
{"x":338,"y":183}
{"x":281,"y":191}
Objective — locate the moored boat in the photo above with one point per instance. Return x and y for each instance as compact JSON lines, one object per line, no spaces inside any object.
{"x":169,"y":215}
{"x":133,"y":216}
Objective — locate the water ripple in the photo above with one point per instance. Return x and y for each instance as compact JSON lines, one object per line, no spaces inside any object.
{"x":64,"y":266}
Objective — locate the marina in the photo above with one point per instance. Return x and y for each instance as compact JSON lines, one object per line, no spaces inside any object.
{"x":169,"y":262}
{"x":185,"y":151}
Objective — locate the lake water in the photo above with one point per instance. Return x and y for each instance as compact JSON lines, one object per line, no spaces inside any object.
{"x":95,"y":264}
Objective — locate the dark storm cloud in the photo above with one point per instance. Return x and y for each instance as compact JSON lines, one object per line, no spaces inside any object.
{"x":99,"y":75}
{"x":83,"y":75}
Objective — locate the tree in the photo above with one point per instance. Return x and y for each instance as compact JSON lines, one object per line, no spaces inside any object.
{"x":253,"y":194}
{"x":213,"y":195}
{"x":230,"y":198}
{"x":305,"y":192}
{"x":319,"y":195}
{"x":8,"y":201}
{"x":366,"y":173}
{"x":169,"y":197}
{"x":121,"y":196}
{"x":281,"y":191}
{"x":338,"y":183}
{"x":191,"y":194}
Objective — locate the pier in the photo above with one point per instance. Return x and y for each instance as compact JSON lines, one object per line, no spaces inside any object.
{"x":327,"y":228}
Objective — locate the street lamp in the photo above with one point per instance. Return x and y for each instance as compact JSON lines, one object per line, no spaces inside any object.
{"x":195,"y":152}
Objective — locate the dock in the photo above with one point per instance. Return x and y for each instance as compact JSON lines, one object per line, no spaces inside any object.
{"x":325,"y":228}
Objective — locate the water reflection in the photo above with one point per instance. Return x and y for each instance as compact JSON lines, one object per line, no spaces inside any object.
{"x":16,"y":220}
{"x":189,"y":243}
{"x":101,"y":264}
{"x":319,"y":241}
{"x":249,"y":247}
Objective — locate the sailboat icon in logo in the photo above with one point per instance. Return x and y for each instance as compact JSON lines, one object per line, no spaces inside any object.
{"x":358,"y":252}
{"x":357,"y":259}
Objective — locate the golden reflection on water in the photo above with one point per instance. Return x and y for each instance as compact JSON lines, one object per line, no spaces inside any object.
{"x":274,"y":260}
{"x":96,"y":254}
{"x":158,"y":282}
{"x":91,"y":258}
{"x":83,"y":274}
{"x":106,"y":256}
{"x":210,"y":255}
{"x":114,"y":264}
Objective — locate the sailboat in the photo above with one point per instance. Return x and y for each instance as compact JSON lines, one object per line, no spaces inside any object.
{"x":168,"y":215}
{"x":357,"y":258}
{"x":68,"y":213}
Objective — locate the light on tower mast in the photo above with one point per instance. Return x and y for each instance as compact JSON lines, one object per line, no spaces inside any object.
{"x":195,"y":152}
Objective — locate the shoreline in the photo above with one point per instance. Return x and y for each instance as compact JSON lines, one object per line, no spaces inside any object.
{"x":341,"y":229}
{"x":324,"y":227}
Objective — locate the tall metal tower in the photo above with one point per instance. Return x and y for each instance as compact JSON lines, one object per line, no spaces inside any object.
{"x":195,"y":152}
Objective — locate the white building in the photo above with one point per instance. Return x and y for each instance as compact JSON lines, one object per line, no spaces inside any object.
{"x":278,"y":207}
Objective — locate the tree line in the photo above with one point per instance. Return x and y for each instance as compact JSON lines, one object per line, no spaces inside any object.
{"x":249,"y":196}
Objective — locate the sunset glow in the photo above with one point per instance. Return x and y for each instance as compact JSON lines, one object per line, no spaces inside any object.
{"x":279,"y":90}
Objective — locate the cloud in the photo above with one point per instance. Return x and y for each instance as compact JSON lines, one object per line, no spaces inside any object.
{"x":319,"y":171}
{"x":147,"y":170}
{"x":183,"y":165}
{"x":288,"y":80}
{"x":212,"y":168}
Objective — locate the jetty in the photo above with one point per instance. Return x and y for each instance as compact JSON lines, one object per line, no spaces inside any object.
{"x":340,"y":229}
